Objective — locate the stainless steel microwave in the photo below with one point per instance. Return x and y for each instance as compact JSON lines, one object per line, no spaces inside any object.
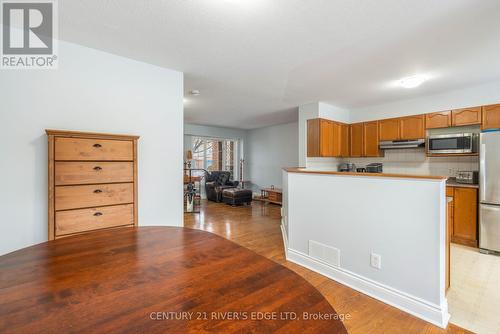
{"x":453,"y":143}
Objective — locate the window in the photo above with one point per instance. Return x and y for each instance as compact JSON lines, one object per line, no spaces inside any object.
{"x":214,"y":154}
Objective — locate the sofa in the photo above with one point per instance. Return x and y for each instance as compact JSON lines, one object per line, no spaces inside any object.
{"x":216,"y":182}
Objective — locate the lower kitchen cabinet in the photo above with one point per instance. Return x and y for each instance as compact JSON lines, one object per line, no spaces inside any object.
{"x":464,"y":230}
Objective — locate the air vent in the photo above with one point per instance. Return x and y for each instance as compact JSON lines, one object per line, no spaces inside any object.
{"x":327,"y":254}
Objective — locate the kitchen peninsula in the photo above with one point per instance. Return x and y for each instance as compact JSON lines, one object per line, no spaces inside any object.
{"x":381,"y":234}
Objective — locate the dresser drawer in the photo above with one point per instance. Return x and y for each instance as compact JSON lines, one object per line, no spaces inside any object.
{"x":67,"y":173}
{"x":75,"y":221}
{"x":93,"y":149}
{"x":74,"y":197}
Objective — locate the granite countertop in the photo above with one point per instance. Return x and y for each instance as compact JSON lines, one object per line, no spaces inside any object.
{"x":452,"y":182}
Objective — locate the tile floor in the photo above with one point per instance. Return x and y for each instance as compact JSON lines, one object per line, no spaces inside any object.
{"x":474,"y":293}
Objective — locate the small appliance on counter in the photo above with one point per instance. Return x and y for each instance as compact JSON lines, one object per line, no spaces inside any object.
{"x":375,"y":167}
{"x":361,"y":170}
{"x":467,"y":177}
{"x":346,"y":167}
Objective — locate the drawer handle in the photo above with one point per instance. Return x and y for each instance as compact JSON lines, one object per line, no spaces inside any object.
{"x":97,"y":145}
{"x":97,"y":168}
{"x":97,"y":214}
{"x":97,"y":191}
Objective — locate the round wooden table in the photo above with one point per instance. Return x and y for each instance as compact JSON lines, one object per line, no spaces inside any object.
{"x":155,"y":280}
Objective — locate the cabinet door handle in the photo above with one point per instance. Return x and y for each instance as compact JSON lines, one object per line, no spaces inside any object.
{"x":97,"y":168}
{"x":97,"y":191}
{"x":97,"y":214}
{"x":97,"y":145}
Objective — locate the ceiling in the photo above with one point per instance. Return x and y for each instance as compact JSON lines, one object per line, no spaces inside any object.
{"x":255,"y":61}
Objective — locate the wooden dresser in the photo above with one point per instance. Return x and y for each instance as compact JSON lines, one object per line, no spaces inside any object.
{"x":92,"y":182}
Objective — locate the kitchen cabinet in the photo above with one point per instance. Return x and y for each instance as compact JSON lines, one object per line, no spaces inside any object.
{"x":389,"y":129}
{"x":323,"y":138}
{"x":313,"y":134}
{"x":326,"y":138}
{"x":412,"y":127}
{"x":438,"y":120}
{"x":356,"y":140}
{"x":491,"y":117}
{"x":466,"y":116}
{"x":464,"y":229}
{"x":371,"y":139}
{"x":344,"y":140}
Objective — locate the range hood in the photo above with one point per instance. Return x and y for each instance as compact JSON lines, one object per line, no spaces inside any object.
{"x":391,"y":144}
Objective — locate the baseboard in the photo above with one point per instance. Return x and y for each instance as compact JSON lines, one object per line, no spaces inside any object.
{"x":429,"y":312}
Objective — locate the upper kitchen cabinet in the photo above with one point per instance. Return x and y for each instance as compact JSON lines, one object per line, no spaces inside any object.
{"x":491,"y":117}
{"x":371,"y":139}
{"x":356,"y":140}
{"x":326,"y":138}
{"x":389,"y":129}
{"x":438,"y":120}
{"x":466,"y":116}
{"x":323,"y":138}
{"x":344,"y":140}
{"x":412,"y":127}
{"x":313,"y":135}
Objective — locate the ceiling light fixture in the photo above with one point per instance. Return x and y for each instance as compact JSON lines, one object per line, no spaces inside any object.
{"x":195,"y":92}
{"x":413,"y":81}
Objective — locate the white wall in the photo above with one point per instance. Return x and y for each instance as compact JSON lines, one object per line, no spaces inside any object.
{"x":403,"y":220}
{"x":306,"y":112}
{"x":468,"y":97}
{"x":268,"y":151}
{"x":334,"y":113}
{"x":91,"y":91}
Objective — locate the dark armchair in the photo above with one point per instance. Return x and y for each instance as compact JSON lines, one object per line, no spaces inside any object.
{"x":217,"y":181}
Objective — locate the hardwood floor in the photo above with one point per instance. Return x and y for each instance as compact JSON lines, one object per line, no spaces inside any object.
{"x":257,"y":227}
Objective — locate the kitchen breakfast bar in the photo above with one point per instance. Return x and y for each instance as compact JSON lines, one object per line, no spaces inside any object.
{"x":381,"y":234}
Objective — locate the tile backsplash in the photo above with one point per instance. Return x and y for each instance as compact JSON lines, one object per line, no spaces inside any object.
{"x":406,"y":161}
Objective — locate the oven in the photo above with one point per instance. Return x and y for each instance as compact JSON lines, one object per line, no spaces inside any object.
{"x":458,"y":143}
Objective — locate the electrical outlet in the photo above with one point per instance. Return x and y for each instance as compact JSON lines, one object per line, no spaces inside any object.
{"x":376,"y":261}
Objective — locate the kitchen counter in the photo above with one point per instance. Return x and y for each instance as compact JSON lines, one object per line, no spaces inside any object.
{"x":337,"y":223}
{"x":452,"y":182}
{"x":404,"y":176}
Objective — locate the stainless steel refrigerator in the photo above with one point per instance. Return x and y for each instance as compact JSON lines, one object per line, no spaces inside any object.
{"x":489,"y":192}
